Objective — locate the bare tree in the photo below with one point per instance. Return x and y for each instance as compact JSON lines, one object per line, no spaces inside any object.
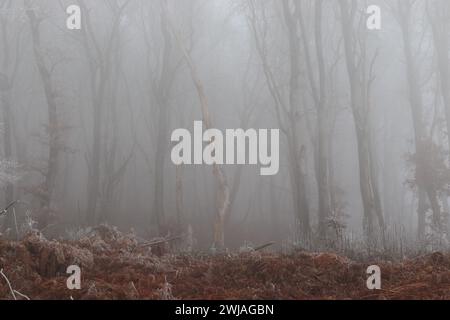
{"x":162,"y":75}
{"x":45,"y":72}
{"x":425,"y":177}
{"x":360,"y":74}
{"x":320,"y":99}
{"x":100,"y":66}
{"x":223,"y":193}
{"x":286,"y":110}
{"x":10,"y":35}
{"x":439,"y":15}
{"x":114,"y":168}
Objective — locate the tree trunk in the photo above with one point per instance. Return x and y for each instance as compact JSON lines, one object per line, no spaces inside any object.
{"x":359,"y":90}
{"x":301,"y":206}
{"x":94,"y":169}
{"x":53,"y":125}
{"x":319,"y":93}
{"x":223,"y":193}
{"x":424,"y":178}
{"x":440,"y":30}
{"x":5,"y":98}
{"x":100,"y":62}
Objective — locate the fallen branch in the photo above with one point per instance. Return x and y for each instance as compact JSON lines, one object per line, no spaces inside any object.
{"x":5,"y":210}
{"x":13,"y":292}
{"x":264,"y":246}
{"x":22,"y":295}
{"x":9,"y":284}
{"x":158,"y":242}
{"x":134,"y":288}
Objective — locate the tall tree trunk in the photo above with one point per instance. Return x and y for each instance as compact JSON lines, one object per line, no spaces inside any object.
{"x":160,"y":157}
{"x":100,"y":62}
{"x":298,"y":177}
{"x":223,"y":193}
{"x":94,"y":168}
{"x":359,"y":92}
{"x":319,"y":92}
{"x":53,"y":124}
{"x":161,"y":89}
{"x":10,"y":36}
{"x":5,"y":99}
{"x":114,"y":172}
{"x":423,"y":173}
{"x":286,"y":116}
{"x":440,"y":28}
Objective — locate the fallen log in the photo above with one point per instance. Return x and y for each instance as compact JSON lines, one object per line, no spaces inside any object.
{"x":157,"y":242}
{"x":264,"y":246}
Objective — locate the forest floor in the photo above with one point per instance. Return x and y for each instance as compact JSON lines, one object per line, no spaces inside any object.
{"x":114,"y":266}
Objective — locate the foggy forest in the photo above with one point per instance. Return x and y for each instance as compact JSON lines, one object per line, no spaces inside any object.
{"x":87,"y":117}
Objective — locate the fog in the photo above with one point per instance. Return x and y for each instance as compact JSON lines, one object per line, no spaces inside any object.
{"x":363,"y":117}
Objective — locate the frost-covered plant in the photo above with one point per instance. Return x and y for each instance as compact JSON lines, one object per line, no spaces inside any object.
{"x":29,"y":224}
{"x":165,"y":293}
{"x":76,"y":234}
{"x":436,"y":238}
{"x":10,"y":171}
{"x":247,"y":247}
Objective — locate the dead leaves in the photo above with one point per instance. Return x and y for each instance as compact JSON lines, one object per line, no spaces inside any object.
{"x":114,"y":267}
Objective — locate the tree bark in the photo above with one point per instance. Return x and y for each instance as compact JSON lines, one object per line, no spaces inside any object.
{"x":287,"y":115}
{"x":424,"y":177}
{"x":223,"y":193}
{"x":319,"y":92}
{"x":360,"y":105}
{"x":53,"y":123}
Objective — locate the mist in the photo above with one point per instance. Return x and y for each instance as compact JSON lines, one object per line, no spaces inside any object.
{"x":363,"y":118}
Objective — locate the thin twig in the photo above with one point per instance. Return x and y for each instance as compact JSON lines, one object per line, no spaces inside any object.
{"x":15,"y":224}
{"x":22,"y":295}
{"x":134,"y":288}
